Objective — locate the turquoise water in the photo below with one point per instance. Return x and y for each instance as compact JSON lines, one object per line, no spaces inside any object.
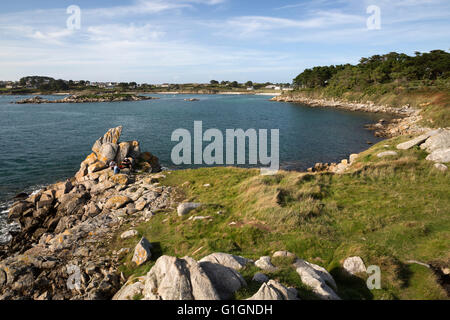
{"x":40,"y":144}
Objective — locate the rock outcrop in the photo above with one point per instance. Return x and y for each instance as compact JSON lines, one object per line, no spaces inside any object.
{"x":317,"y":278}
{"x":265,"y":264}
{"x":227,"y":260}
{"x":87,"y":99}
{"x":435,"y":142}
{"x":184,"y":208}
{"x":109,"y":148}
{"x":173,"y":278}
{"x":354,"y":265}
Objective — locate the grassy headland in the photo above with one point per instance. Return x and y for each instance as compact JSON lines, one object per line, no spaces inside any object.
{"x":386,"y":211}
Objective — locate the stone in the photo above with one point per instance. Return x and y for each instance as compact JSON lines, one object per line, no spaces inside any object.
{"x":129,"y":291}
{"x":273,"y":290}
{"x":102,"y":187}
{"x":354,"y":265}
{"x":121,"y":179}
{"x":142,"y":252}
{"x":440,"y":155}
{"x":387,"y":154}
{"x":130,"y":209}
{"x":284,"y":254}
{"x":438,"y":141}
{"x":111,"y":136}
{"x":129,"y":234}
{"x":417,"y":141}
{"x":178,"y":279}
{"x":227,"y":260}
{"x":225,"y":280}
{"x":122,"y":152}
{"x":18,"y":208}
{"x":135,"y":149}
{"x":141,"y":204}
{"x":184,"y":208}
{"x":97,"y":166}
{"x":260,"y":277}
{"x":92,"y":209}
{"x":90,"y":159}
{"x":117,"y":202}
{"x":152,"y":160}
{"x":108,"y":152}
{"x":441,"y":167}
{"x":317,"y":278}
{"x":265,"y":264}
{"x":353,"y":157}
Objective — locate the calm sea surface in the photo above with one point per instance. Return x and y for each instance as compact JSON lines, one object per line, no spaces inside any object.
{"x":40,"y":144}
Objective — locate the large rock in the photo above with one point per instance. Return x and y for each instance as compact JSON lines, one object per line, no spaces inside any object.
{"x":284,"y":254}
{"x":354,"y":265}
{"x":120,"y":178}
{"x":96,"y":166}
{"x":317,"y":278}
{"x":225,"y":280}
{"x":117,"y":202}
{"x":135,"y":150}
{"x":107,"y":152}
{"x":151,"y":160}
{"x":18,"y":209}
{"x":142,"y":252}
{"x":129,"y":291}
{"x":184,"y":208}
{"x":129,"y":234}
{"x":387,"y":154}
{"x":438,"y":141}
{"x":112,"y":137}
{"x":265,"y":264}
{"x":260,"y":277}
{"x":122,"y":152}
{"x":273,"y":290}
{"x":418,"y":140}
{"x":440,"y":155}
{"x":178,"y":279}
{"x":227,"y":260}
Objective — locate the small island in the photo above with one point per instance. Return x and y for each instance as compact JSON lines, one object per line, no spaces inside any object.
{"x":88,"y":99}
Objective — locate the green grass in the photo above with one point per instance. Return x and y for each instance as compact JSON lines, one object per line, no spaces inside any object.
{"x":387,"y":211}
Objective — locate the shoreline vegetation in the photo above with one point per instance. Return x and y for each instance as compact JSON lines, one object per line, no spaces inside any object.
{"x":307,"y":235}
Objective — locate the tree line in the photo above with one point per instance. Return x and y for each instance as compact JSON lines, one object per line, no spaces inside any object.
{"x":378,"y":69}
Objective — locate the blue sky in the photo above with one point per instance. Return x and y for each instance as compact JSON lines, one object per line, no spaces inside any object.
{"x":180,"y":41}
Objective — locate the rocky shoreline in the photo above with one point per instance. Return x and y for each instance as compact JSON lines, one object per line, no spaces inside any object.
{"x":406,"y":119}
{"x":352,"y":106}
{"x":65,"y":227}
{"x":86,"y":99}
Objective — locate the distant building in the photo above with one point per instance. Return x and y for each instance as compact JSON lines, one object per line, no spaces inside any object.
{"x":273,"y":87}
{"x":250,"y":89}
